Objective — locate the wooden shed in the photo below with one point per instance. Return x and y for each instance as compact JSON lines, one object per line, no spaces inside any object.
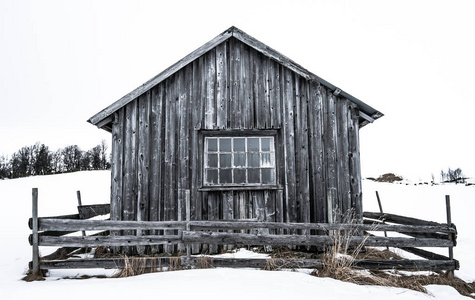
{"x":247,"y":131}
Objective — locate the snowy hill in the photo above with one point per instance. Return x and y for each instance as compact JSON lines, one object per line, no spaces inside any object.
{"x":57,"y":195}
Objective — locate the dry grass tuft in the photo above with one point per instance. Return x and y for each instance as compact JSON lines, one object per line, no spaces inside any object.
{"x":205,"y":262}
{"x":339,"y":266}
{"x":103,"y":252}
{"x":337,"y":263}
{"x":143,"y":265}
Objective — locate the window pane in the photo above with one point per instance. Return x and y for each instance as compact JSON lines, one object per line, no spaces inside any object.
{"x":239,"y":159}
{"x":225,"y":160}
{"x":225,"y":145}
{"x":266,"y":160}
{"x":266,"y":144}
{"x":212,"y":145}
{"x":212,"y":160}
{"x":212,"y":176}
{"x":268,"y":176}
{"x":239,"y":176}
{"x":239,"y":145}
{"x":225,"y":176}
{"x":253,"y":176}
{"x":253,"y":160}
{"x":253,"y":144}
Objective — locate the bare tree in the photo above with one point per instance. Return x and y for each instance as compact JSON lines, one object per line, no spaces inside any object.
{"x":5,"y":167}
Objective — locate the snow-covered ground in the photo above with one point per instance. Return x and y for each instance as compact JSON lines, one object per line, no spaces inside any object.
{"x":57,"y":196}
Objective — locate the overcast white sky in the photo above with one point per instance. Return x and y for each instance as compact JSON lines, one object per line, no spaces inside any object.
{"x":63,"y":61}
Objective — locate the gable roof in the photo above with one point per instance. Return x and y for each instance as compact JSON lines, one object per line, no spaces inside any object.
{"x":104,"y":117}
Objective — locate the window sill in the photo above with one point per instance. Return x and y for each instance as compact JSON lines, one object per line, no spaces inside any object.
{"x":240,"y":188}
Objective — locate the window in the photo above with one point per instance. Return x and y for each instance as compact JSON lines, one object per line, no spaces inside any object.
{"x":238,"y":161}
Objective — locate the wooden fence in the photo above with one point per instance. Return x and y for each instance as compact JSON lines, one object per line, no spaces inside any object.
{"x":52,"y":231}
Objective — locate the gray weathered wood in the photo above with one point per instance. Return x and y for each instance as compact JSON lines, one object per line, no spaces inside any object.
{"x":77,"y":225}
{"x":399,"y":219}
{"x":451,"y":237}
{"x":117,"y":160}
{"x":73,"y":217}
{"x":35,"y":270}
{"x":301,"y":240}
{"x":78,"y":193}
{"x":93,"y":210}
{"x":234,"y":88}
{"x":263,"y":263}
{"x":93,"y":241}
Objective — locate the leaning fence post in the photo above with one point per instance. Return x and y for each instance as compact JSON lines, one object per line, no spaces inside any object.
{"x":381,"y":211}
{"x":450,"y":273}
{"x":36,"y":253}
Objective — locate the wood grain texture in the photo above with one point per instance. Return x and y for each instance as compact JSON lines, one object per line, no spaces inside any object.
{"x":233,"y":89}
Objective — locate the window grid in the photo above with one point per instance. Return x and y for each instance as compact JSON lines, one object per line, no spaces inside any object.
{"x":239,"y":161}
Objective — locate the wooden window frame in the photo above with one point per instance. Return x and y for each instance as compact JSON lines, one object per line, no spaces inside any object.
{"x":204,"y":134}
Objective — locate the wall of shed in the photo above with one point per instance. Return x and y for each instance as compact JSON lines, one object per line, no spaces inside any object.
{"x":157,"y":142}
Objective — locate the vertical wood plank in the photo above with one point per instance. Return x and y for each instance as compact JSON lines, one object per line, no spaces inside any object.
{"x":228,"y":211}
{"x":273,"y":90}
{"x":266,"y":86}
{"x":221,"y":85}
{"x":210,"y":76}
{"x":315,"y":117}
{"x":354,"y":158}
{"x":235,"y":88}
{"x":330,"y":151}
{"x":246,"y":87}
{"x":303,"y":153}
{"x":196,"y":104}
{"x":117,"y":170}
{"x":289,"y":146}
{"x":213,"y":214}
{"x":343,"y":158}
{"x":170,"y":156}
{"x":143,"y":162}
{"x":183,"y":138}
{"x":157,"y":150}
{"x":130,"y":168}
{"x":279,"y":209}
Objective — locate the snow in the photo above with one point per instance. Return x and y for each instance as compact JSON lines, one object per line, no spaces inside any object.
{"x":57,"y":196}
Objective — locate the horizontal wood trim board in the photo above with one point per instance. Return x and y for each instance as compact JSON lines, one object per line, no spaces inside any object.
{"x":78,"y":225}
{"x":237,"y":239}
{"x":262,"y":263}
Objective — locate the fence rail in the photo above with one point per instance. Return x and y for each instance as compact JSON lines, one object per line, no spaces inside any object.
{"x":54,"y":231}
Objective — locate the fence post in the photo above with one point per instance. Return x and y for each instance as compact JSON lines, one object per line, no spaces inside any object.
{"x":78,"y":193}
{"x":188,"y":217}
{"x":36,"y":253}
{"x":450,"y":273}
{"x":381,"y":211}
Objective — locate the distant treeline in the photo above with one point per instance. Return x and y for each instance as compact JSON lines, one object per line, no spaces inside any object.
{"x":38,"y":159}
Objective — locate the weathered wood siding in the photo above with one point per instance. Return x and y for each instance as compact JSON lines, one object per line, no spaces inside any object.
{"x":158,"y":144}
